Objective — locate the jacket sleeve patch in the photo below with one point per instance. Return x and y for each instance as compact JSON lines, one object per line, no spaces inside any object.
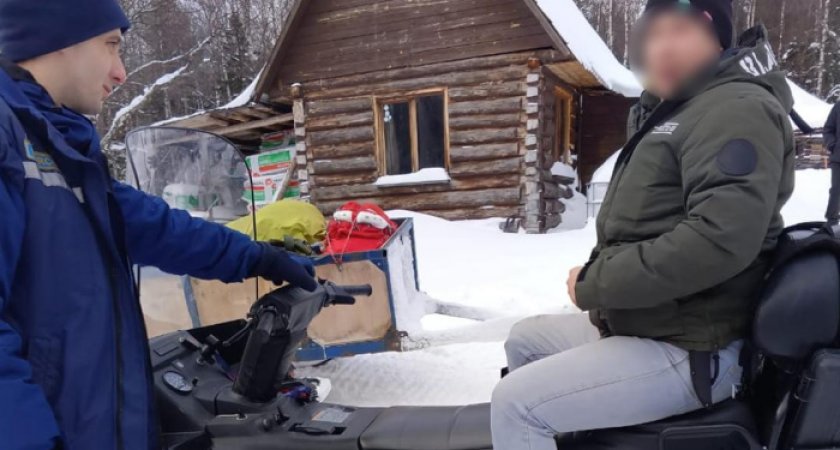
{"x":737,"y":158}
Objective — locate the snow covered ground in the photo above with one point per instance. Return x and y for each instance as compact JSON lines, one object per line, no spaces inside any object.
{"x":488,"y":280}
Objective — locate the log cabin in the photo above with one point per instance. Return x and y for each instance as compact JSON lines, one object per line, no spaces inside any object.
{"x":463,"y":109}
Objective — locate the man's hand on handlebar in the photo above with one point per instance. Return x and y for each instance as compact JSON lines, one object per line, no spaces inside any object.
{"x":326,"y":294}
{"x":279,"y":267}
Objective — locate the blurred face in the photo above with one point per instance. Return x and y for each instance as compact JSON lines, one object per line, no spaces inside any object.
{"x":675,"y":47}
{"x":81,"y":77}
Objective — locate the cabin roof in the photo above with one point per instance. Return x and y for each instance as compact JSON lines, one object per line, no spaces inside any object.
{"x":593,"y":66}
{"x":590,"y":51}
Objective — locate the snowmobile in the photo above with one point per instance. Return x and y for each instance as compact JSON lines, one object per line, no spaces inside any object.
{"x":227,"y":386}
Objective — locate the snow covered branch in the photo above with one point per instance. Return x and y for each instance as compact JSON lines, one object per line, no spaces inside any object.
{"x":159,"y":62}
{"x":190,"y":53}
{"x":121,"y":115}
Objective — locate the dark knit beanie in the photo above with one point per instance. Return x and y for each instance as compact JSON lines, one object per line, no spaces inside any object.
{"x":719,"y":12}
{"x":32,"y":28}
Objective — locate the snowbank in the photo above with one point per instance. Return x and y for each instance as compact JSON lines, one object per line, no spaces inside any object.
{"x":475,"y":268}
{"x":576,"y":215}
{"x":811,"y":108}
{"x":810,"y":198}
{"x":424,"y":176}
{"x":589,"y":48}
{"x":604,"y":173}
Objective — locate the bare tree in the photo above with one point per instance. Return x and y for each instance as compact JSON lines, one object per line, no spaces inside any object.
{"x":823,"y":45}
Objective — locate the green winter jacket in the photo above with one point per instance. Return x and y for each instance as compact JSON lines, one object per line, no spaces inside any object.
{"x":690,"y":218}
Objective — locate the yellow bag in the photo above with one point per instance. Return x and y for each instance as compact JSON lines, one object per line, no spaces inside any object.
{"x":287,"y":217}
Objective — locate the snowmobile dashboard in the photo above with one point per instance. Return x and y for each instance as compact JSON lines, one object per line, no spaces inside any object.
{"x":227,"y":387}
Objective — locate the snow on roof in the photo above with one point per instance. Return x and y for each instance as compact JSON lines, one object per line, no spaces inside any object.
{"x":177,"y":119}
{"x":245,"y":96}
{"x":243,"y":99}
{"x":811,"y":108}
{"x":588,"y":47}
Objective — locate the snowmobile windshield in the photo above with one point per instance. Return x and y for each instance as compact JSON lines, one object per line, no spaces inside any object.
{"x":199,"y":172}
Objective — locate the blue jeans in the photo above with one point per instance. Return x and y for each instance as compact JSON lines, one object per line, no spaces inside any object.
{"x":565,"y":378}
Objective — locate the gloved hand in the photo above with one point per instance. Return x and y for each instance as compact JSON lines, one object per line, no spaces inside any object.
{"x":280,"y":266}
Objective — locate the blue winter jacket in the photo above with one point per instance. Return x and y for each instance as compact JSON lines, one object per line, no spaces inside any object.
{"x":74,"y":371}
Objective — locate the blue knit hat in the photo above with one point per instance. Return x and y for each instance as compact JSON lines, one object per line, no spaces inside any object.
{"x":32,"y":28}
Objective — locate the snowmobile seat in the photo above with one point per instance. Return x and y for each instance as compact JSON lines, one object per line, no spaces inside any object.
{"x":439,"y":428}
{"x":799,"y":311}
{"x":796,"y":332}
{"x":729,"y":425}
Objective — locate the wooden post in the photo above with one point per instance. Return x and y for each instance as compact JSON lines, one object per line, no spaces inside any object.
{"x":532,"y":222}
{"x":300,"y":159}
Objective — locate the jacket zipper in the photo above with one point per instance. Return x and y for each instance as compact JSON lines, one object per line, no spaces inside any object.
{"x":112,"y":284}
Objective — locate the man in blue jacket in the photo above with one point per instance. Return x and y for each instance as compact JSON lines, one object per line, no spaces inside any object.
{"x":74,"y":371}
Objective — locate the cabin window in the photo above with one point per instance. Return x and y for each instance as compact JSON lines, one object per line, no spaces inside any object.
{"x":413,"y":133}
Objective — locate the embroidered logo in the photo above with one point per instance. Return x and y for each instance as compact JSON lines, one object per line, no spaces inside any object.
{"x":43,"y":160}
{"x":666,"y":128}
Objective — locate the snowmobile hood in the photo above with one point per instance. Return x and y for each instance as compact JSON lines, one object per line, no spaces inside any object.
{"x":752,"y":61}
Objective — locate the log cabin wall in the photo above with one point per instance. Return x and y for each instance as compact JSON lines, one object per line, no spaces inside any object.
{"x":487,"y":101}
{"x":348,"y":56}
{"x":604,"y":131}
{"x":334,"y":38}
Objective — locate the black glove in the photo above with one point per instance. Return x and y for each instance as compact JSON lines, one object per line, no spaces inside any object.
{"x":279,"y":266}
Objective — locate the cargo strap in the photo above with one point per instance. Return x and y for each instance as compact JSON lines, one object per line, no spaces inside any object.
{"x":701,"y":374}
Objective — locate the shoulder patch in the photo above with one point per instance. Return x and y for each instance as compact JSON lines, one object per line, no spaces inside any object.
{"x":44,"y":160}
{"x":737,"y":158}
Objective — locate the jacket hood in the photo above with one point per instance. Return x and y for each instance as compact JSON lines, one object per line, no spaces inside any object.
{"x":753,"y":61}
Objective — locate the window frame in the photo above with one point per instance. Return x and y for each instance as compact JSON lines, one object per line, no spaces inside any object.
{"x":562,"y":150}
{"x":409,"y":97}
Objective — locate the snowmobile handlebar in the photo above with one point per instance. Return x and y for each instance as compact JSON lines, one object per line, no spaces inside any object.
{"x":362,"y":290}
{"x":279,"y":323}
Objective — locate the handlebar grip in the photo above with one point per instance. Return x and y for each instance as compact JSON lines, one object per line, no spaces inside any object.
{"x":364,"y":290}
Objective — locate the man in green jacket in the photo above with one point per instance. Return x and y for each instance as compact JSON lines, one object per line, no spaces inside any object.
{"x":684,"y":233}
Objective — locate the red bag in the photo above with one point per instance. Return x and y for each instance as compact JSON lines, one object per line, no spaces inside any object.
{"x":358,"y":228}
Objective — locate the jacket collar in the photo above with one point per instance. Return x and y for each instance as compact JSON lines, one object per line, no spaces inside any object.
{"x":15,"y":71}
{"x":32,"y":105}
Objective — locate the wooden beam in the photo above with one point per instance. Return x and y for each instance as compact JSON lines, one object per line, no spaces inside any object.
{"x":346,"y":165}
{"x":437,"y":200}
{"x":486,"y":136}
{"x":225,"y":131}
{"x":466,"y":153}
{"x":349,"y":192}
{"x":340,"y":121}
{"x":334,"y":151}
{"x":200,"y":122}
{"x":484,"y":212}
{"x":489,"y":168}
{"x":486,"y":121}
